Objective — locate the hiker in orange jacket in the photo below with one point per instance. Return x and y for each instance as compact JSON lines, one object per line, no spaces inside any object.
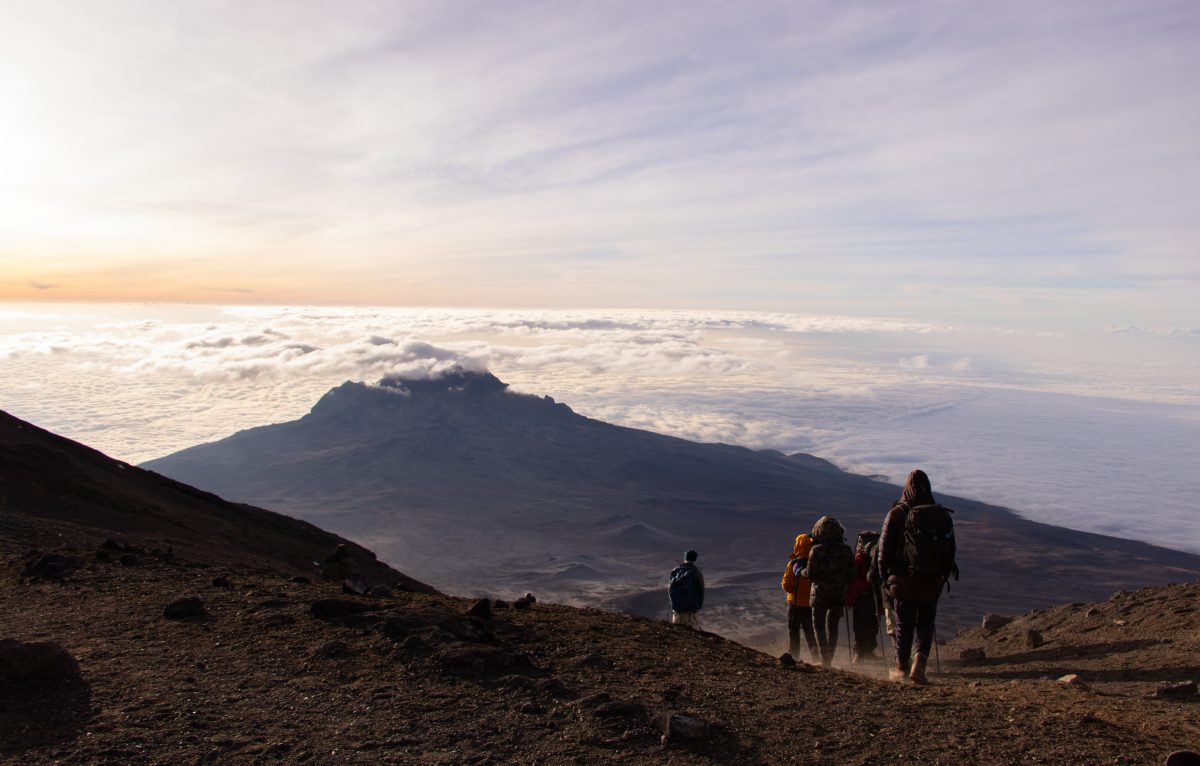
{"x":799,"y":615}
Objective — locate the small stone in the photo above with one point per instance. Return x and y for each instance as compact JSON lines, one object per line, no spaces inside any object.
{"x":787,"y":661}
{"x":1034,"y":639}
{"x":1072,"y":679}
{"x":340,"y":610}
{"x":185,"y":608}
{"x":1180,"y":690}
{"x":355,"y":586}
{"x":221,"y":581}
{"x":481,"y":609}
{"x":1119,"y":622}
{"x":332,"y":650}
{"x":974,"y":654}
{"x":51,"y":567}
{"x":993,"y":622}
{"x":529,"y":708}
{"x":1093,"y":612}
{"x":676,"y":726}
{"x":618,"y":709}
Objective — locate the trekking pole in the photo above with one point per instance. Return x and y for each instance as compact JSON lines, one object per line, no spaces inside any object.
{"x":937,"y":657}
{"x":846,"y":614}
{"x":883,"y":636}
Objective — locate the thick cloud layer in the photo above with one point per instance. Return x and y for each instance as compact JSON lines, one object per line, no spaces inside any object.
{"x":1083,"y":430}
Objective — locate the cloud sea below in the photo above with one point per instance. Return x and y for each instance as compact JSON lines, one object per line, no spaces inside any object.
{"x":1093,"y":428}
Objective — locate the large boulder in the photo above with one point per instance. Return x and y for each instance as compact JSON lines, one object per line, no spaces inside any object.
{"x":36,"y":661}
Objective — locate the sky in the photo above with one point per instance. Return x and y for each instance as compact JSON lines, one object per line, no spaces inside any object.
{"x":1026,"y":163}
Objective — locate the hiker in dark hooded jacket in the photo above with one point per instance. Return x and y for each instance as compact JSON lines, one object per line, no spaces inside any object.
{"x":830,"y":570}
{"x":685,"y":588}
{"x":914,"y":571}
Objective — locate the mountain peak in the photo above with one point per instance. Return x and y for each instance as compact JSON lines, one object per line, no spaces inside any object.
{"x":455,"y":380}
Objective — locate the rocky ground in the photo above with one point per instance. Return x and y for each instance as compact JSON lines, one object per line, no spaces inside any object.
{"x":273,"y":670}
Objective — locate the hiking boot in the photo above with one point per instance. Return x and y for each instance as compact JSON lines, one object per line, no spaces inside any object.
{"x":917,"y":676}
{"x":900,"y":672}
{"x":815,"y":654}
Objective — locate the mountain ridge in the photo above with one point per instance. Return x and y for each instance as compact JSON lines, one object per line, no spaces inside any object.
{"x":439,"y":475}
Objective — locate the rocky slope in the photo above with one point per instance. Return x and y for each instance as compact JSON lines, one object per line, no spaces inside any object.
{"x":51,"y":486}
{"x":275,"y":671}
{"x":125,"y":641}
{"x":461,"y":483}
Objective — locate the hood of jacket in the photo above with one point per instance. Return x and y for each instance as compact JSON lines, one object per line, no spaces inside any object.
{"x":917,"y":490}
{"x":828,"y":530}
{"x":804,"y":544}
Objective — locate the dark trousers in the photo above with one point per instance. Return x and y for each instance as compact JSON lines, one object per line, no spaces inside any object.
{"x":914,"y":620}
{"x":800,"y":618}
{"x":866,"y":623}
{"x":825,"y":621}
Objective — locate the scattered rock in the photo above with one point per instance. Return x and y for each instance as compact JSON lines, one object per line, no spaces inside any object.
{"x":413,"y":646}
{"x":1093,"y":612}
{"x":221,"y":581}
{"x":332,"y":650}
{"x":36,"y":661}
{"x":1034,"y":639}
{"x":974,"y":654}
{"x":594,"y":700}
{"x":994,"y":622}
{"x":399,"y":625}
{"x":1180,"y":690}
{"x":481,"y":609}
{"x":355,"y":586}
{"x":675,"y":726}
{"x":1119,"y":622}
{"x":555,"y":688}
{"x":476,"y":659}
{"x":619,"y":709}
{"x":590,"y":660}
{"x":787,"y":661}
{"x":343,"y":611}
{"x":1072,"y":679}
{"x":185,"y":608}
{"x":51,"y":567}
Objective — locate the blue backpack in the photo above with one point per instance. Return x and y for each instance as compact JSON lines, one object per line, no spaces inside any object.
{"x":682,"y":589}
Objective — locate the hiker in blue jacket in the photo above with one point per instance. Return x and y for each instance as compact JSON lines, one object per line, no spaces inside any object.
{"x":686,"y":589}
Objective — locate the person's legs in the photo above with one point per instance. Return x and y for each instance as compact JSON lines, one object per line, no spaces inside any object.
{"x":834,"y":616}
{"x":866,"y":626}
{"x":818,"y":618}
{"x":906,"y":619}
{"x":793,"y":628}
{"x":810,"y":636}
{"x":690,"y":619}
{"x":926,"y":620}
